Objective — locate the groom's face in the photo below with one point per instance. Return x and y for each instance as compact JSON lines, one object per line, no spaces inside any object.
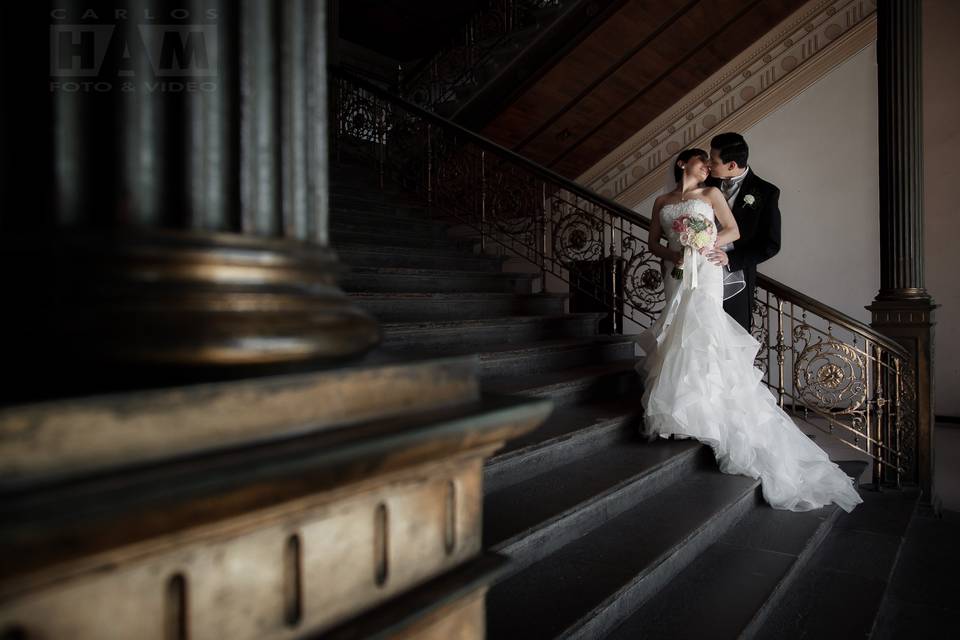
{"x":719,"y":169}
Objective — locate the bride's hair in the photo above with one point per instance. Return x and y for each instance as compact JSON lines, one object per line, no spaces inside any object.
{"x":684,"y":156}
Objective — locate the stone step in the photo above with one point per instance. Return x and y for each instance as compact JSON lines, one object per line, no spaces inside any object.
{"x":592,"y":584}
{"x":374,"y":203}
{"x":565,"y":437}
{"x":362,"y":178}
{"x":389,"y":279}
{"x":376,"y":237}
{"x":365,"y":222}
{"x":548,"y":355}
{"x":487,"y":331}
{"x":840,"y":592}
{"x":570,"y":386}
{"x":354,"y":255}
{"x":531,"y":519}
{"x":729,"y":589}
{"x":406,"y":307}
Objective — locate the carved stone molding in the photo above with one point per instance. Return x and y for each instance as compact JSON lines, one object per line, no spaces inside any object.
{"x":774,"y":70}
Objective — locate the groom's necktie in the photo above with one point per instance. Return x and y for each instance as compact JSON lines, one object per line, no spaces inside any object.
{"x":726,"y":187}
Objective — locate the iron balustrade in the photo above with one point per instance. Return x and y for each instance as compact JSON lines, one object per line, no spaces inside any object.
{"x":829,"y":370}
{"x":440,"y":77}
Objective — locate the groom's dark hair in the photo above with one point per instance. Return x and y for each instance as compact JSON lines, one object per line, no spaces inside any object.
{"x":732,"y":148}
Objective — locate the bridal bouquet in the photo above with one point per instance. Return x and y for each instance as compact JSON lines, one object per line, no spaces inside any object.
{"x":696,"y":233}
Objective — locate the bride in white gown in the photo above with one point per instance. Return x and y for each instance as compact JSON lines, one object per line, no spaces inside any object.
{"x":700,"y":378}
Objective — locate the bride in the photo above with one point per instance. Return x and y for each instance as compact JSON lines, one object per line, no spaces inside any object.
{"x":700,"y":378}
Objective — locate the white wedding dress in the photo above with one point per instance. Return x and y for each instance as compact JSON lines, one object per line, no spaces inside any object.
{"x":701,"y":383}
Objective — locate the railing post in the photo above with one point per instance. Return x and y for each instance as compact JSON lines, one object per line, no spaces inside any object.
{"x":878,"y":401}
{"x":543,"y":237}
{"x":613,"y":274}
{"x":483,"y":202}
{"x":898,"y":417}
{"x":781,"y":349}
{"x":381,"y":131}
{"x":430,"y":165}
{"x":336,"y":117}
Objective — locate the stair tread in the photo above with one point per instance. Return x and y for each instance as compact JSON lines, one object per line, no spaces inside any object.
{"x":520,"y":349}
{"x":723,"y":589}
{"x":570,"y":420}
{"x":554,"y":594}
{"x":525,"y":505}
{"x":452,"y":295}
{"x":352,"y":247}
{"x":841,"y":590}
{"x":414,"y":271}
{"x":544,"y":383}
{"x":440,"y":325}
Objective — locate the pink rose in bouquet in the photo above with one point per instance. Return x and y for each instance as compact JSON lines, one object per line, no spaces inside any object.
{"x":696,"y":233}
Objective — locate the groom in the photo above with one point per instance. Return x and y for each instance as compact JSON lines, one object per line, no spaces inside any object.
{"x":755,"y":206}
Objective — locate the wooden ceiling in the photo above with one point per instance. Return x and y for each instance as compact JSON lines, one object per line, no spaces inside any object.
{"x":642,"y":60}
{"x":404,"y":30}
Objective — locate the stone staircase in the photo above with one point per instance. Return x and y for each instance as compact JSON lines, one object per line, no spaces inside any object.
{"x":607,"y":535}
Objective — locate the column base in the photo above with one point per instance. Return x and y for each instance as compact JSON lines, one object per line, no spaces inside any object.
{"x":120,"y":310}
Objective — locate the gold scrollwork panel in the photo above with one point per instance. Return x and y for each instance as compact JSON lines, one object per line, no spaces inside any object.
{"x":831,"y":376}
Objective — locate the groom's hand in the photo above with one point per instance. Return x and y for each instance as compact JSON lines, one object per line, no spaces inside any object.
{"x":718,"y":257}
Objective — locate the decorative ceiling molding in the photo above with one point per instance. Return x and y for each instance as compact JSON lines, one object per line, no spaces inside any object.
{"x":777,"y":68}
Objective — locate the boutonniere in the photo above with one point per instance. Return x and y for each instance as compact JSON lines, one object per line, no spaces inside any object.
{"x":750,"y":201}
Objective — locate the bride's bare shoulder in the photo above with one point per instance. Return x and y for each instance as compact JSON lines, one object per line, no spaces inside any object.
{"x":710,"y":192}
{"x":661,"y":200}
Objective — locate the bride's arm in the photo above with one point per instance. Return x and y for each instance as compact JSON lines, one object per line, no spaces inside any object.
{"x":656,"y":233}
{"x":730,"y":231}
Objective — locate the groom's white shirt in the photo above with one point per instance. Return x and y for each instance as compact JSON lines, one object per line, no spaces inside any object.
{"x":735,"y":187}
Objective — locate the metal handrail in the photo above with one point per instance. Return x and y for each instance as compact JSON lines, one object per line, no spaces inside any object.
{"x":835,"y":316}
{"x":856,"y":383}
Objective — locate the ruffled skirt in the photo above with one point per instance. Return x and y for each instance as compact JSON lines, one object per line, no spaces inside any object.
{"x":701,"y":383}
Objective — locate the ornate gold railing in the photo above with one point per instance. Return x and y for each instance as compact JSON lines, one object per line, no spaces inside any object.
{"x":829,"y":370}
{"x":437,"y":79}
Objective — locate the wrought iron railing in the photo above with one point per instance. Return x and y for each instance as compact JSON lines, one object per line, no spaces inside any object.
{"x":829,"y":370}
{"x":439,"y":78}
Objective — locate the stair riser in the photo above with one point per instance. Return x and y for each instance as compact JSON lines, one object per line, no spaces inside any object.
{"x":395,"y":239}
{"x":393,"y":310}
{"x":341,"y":202}
{"x":611,"y":614}
{"x":481,"y":337}
{"x":417,"y":260}
{"x":526,"y":464}
{"x":550,"y":361}
{"x":397,"y":283}
{"x":604,"y":387}
{"x":532,"y":546}
{"x":353,"y":222}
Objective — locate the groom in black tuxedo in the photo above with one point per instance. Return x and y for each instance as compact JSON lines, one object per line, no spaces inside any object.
{"x":755,"y":206}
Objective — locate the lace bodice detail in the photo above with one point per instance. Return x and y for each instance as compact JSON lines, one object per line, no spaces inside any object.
{"x":672,"y":211}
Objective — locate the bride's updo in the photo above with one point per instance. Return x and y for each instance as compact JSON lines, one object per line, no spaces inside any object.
{"x":684,"y":157}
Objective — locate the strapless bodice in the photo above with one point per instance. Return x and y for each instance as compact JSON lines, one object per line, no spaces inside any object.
{"x":672,"y":211}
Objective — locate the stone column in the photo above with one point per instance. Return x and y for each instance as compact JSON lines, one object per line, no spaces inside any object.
{"x":164,"y":194}
{"x":903,"y":309}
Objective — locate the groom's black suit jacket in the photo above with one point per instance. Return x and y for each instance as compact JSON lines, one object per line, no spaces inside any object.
{"x":759,"y":225}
